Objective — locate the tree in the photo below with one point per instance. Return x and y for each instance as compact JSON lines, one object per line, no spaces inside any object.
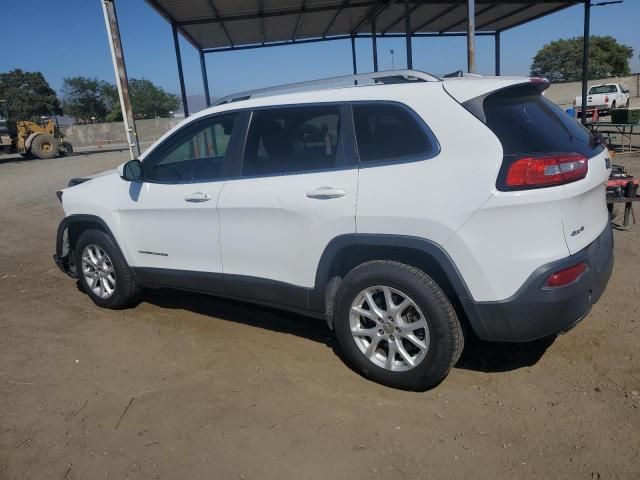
{"x":561,"y":60}
{"x":86,"y":99}
{"x":28,"y":96}
{"x":147,"y":100}
{"x":151,"y":101}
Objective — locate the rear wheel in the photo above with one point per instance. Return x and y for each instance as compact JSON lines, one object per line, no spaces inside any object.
{"x":44,"y":146}
{"x":104,"y":273}
{"x":66,"y":149}
{"x":396,"y":326}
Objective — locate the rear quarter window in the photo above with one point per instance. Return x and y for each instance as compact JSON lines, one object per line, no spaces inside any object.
{"x":391,"y":133}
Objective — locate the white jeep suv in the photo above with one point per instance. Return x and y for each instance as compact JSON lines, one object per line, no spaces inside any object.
{"x":402,"y":208}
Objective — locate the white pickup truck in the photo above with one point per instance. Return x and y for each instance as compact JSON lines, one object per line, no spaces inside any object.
{"x":605,"y":97}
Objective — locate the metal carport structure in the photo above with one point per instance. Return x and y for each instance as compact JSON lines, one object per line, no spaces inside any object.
{"x":213,"y":26}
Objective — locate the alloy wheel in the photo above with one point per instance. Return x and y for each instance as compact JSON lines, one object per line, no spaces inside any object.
{"x":98,"y":271}
{"x":389,"y":328}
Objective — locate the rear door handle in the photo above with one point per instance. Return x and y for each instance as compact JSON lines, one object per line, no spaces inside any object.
{"x":326,"y":193}
{"x":197,"y":197}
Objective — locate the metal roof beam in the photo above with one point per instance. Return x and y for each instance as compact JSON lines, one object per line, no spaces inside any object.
{"x":536,"y":17}
{"x":275,"y":13}
{"x":298,"y":21}
{"x":163,"y":13}
{"x":401,"y":17}
{"x":373,"y":13}
{"x":506,"y":15}
{"x":335,"y":17}
{"x":433,"y":19}
{"x":222,"y":25}
{"x":464,"y":21}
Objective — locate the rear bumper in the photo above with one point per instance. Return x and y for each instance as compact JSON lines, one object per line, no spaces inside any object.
{"x":535,"y":311}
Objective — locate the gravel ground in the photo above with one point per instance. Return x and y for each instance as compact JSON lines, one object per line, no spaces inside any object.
{"x":189,"y":386}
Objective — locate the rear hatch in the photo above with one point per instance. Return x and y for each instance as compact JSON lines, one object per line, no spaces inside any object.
{"x":544,"y":148}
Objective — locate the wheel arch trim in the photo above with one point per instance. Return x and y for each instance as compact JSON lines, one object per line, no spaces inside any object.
{"x":424,"y":248}
{"x":63,"y":228}
{"x":29,"y":140}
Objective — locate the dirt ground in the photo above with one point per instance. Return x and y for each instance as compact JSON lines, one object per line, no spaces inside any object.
{"x":189,"y":386}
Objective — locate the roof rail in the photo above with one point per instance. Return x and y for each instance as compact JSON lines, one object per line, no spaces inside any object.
{"x":374,"y":78}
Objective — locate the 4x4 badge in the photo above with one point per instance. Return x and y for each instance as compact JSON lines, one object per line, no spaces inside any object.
{"x":576,"y":232}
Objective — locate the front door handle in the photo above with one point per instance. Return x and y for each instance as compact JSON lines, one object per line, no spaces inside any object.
{"x":197,"y":197}
{"x":325,"y":193}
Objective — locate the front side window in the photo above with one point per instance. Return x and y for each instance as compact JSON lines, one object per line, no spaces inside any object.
{"x":386,"y":132}
{"x":196,"y":153}
{"x":293,"y":140}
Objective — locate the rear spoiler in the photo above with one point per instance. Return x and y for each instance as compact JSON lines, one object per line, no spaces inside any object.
{"x":471,"y":94}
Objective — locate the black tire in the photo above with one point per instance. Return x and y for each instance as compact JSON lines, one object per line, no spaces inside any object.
{"x":126,"y":292}
{"x":446,"y":338}
{"x":613,"y":105}
{"x":44,"y":146}
{"x":66,"y":149}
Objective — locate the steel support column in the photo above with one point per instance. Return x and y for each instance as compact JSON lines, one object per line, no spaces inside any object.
{"x":183,"y":91}
{"x":353,"y":55}
{"x":585,"y":60}
{"x":374,"y":45}
{"x":122,"y":82}
{"x":205,"y":80}
{"x":496,"y":38}
{"x":471,"y":36}
{"x":407,"y":30}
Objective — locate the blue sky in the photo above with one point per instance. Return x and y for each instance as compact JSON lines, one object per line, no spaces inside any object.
{"x":72,"y":41}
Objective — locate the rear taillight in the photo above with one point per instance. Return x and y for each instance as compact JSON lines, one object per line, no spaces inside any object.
{"x":566,"y":276}
{"x":606,"y":99}
{"x":545,"y":171}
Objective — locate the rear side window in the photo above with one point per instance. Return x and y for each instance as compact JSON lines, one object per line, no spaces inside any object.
{"x":293,"y":140}
{"x":603,"y":89}
{"x":387,"y":132}
{"x":525,"y":122}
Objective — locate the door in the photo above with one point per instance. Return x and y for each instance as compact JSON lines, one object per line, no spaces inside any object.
{"x":296,"y":191}
{"x":170,"y":218}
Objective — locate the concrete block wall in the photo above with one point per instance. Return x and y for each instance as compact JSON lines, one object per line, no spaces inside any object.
{"x":103,"y":135}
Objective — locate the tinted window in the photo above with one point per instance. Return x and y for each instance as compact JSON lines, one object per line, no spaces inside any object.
{"x":526,"y":123}
{"x":603,"y":89}
{"x":196,"y":153}
{"x":290,"y":140}
{"x":388,"y":132}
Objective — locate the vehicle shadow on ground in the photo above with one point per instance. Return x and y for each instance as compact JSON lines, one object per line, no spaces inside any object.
{"x":477,"y":356}
{"x":493,"y":357}
{"x":244,"y":313}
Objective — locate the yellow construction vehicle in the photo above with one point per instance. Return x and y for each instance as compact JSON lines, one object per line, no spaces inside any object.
{"x":30,"y":139}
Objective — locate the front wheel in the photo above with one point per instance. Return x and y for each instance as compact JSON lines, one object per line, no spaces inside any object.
{"x":44,"y":146}
{"x":103,"y":271}
{"x":396,"y":326}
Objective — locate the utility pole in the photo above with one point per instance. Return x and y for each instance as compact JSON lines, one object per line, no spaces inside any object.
{"x":122,"y":82}
{"x":471,"y":36}
{"x":585,"y":60}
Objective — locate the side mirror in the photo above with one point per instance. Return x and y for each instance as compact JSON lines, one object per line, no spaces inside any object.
{"x":625,"y":91}
{"x":131,"y":171}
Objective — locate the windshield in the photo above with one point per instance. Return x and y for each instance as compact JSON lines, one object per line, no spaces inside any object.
{"x":603,"y":89}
